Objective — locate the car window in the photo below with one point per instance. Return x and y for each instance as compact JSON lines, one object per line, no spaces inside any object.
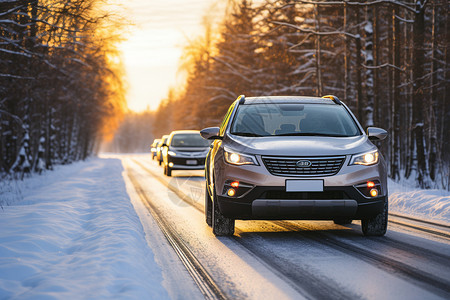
{"x":188,"y":140}
{"x":162,"y":141}
{"x":293,"y":119}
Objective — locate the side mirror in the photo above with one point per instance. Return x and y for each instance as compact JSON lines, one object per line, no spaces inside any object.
{"x":210,"y":133}
{"x":376,"y":133}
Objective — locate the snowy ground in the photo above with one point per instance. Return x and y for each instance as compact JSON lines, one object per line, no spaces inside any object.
{"x":74,"y":234}
{"x":432,"y":205}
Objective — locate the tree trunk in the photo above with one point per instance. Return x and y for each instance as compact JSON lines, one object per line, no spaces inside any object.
{"x":347,"y":54}
{"x":368,"y":51}
{"x":444,"y":103}
{"x":378,"y":117}
{"x":432,"y":149}
{"x":358,"y":78}
{"x":395,"y":138}
{"x":418,"y":92}
{"x":358,"y":70}
{"x":318,"y":70}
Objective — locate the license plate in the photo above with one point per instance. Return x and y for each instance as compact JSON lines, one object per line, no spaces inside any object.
{"x":191,"y":162}
{"x":304,"y":185}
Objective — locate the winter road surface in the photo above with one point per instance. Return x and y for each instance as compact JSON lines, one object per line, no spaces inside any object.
{"x":280,"y":259}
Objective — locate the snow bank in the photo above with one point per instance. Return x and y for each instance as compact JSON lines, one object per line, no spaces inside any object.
{"x":433,"y":205}
{"x":75,"y":235}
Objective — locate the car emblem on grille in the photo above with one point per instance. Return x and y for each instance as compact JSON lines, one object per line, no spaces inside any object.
{"x":303,"y":163}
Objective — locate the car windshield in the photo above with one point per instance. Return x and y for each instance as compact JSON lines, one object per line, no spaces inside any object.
{"x":162,"y":141}
{"x":188,"y":140}
{"x":291,"y":119}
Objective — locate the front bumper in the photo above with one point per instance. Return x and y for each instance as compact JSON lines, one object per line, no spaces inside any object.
{"x":273,"y":203}
{"x":268,"y":199}
{"x":185,"y":163}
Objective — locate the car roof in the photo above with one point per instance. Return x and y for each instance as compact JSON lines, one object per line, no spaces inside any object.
{"x":184,"y":131}
{"x":287,"y":99}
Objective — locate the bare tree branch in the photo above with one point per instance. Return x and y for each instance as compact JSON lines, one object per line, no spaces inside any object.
{"x":16,"y":76}
{"x":306,"y":30}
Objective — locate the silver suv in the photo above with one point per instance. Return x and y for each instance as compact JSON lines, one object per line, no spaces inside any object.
{"x":294,"y":158}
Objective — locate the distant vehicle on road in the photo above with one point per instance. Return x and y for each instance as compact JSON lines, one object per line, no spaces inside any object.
{"x":154,"y":147}
{"x":159,"y":148}
{"x":184,"y":150}
{"x":294,"y":158}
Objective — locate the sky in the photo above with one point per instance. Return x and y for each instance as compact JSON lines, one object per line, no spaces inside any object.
{"x":152,"y":50}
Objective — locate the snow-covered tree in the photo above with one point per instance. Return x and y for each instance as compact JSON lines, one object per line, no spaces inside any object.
{"x":60,"y":84}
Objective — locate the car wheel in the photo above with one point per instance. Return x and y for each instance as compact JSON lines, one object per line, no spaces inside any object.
{"x":221,"y":225}
{"x":342,"y":221}
{"x":377,"y":225}
{"x":160,"y":162}
{"x":208,"y":207}
{"x":168,"y":171}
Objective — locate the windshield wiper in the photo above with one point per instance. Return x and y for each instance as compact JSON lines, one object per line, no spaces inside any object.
{"x":310,"y":134}
{"x":247,"y":134}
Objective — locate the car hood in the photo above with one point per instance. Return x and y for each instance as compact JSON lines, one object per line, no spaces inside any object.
{"x":299,"y":145}
{"x":189,"y":149}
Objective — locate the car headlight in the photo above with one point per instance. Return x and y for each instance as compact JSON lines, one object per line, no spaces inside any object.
{"x":171,"y":153}
{"x":235,"y":158}
{"x":366,"y":159}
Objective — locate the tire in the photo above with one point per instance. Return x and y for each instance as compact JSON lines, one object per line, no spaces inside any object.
{"x":342,"y":221}
{"x":164,"y":170}
{"x":376,"y":225}
{"x":208,"y":207}
{"x":221,"y":225}
{"x":160,"y":162}
{"x":168,"y":171}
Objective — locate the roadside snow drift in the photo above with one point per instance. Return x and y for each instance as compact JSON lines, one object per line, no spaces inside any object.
{"x":75,"y":235}
{"x":432,"y":205}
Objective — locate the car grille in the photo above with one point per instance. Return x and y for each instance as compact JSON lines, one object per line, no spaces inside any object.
{"x":320,"y":166}
{"x":183,"y":161}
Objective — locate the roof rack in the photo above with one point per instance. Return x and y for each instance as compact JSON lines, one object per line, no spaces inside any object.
{"x":241,"y":99}
{"x":334,"y":98}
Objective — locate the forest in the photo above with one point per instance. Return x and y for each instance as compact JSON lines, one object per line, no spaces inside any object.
{"x":61,"y":85}
{"x":387,"y":60}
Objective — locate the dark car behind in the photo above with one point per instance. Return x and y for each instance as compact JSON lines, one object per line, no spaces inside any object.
{"x":184,"y":150}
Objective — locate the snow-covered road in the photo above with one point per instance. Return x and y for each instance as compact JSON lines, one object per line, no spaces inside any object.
{"x":75,"y":235}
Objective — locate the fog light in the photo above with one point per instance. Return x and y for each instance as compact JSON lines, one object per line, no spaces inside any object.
{"x":231,"y":192}
{"x":373,"y":192}
{"x":370,"y":184}
{"x":235,"y":184}
{"x":171,"y":164}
